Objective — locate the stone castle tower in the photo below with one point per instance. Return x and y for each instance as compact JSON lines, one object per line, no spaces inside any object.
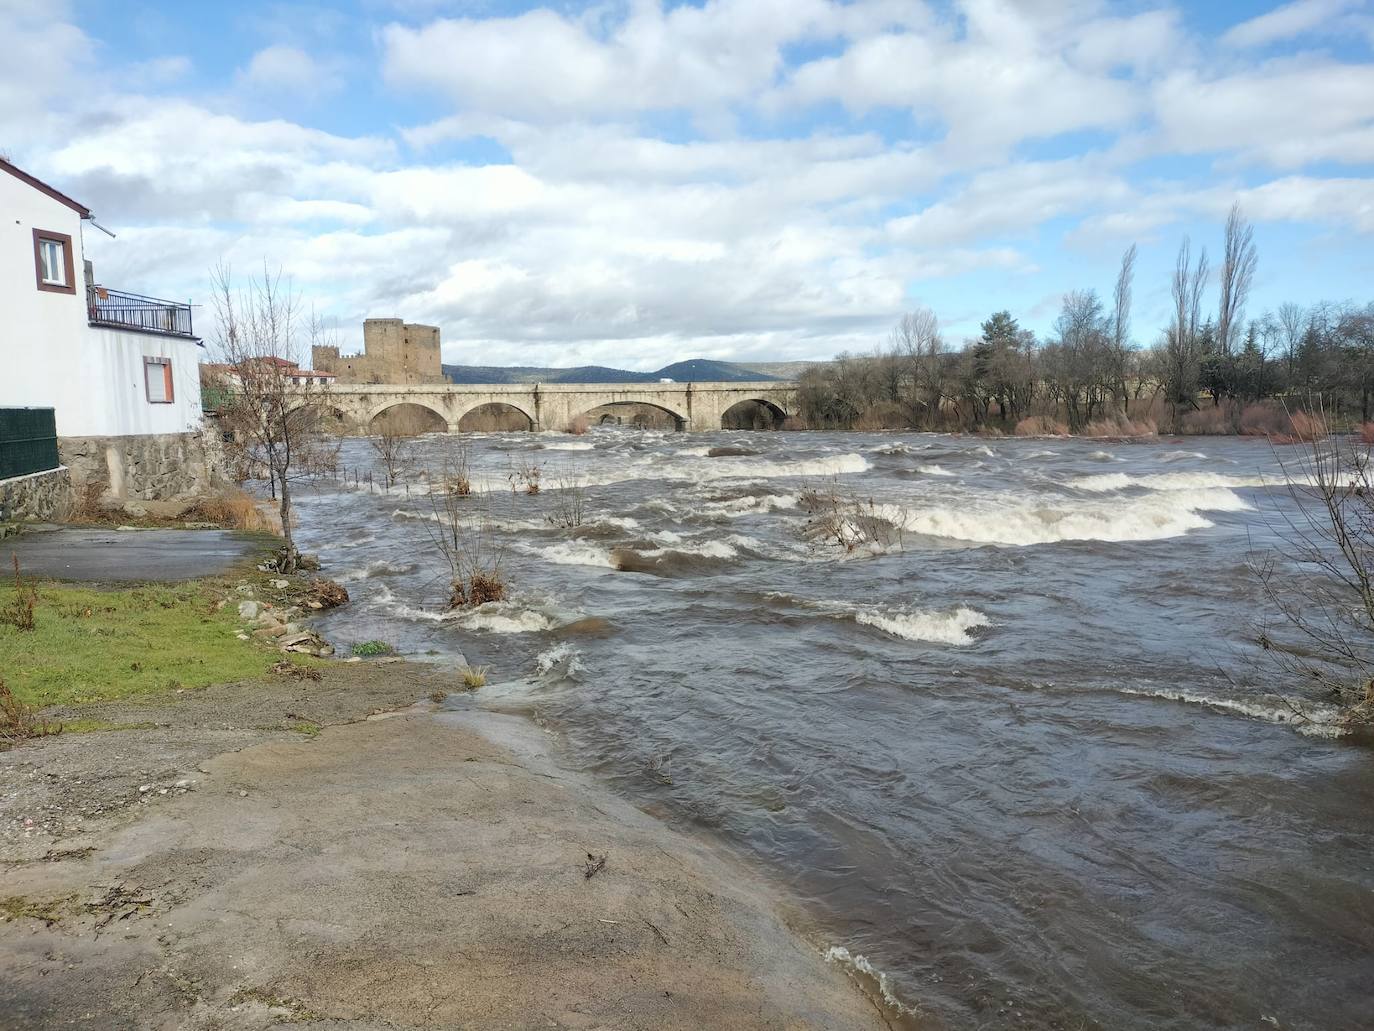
{"x":393,"y":352}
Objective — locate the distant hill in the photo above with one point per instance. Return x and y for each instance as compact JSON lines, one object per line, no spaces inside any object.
{"x":780,"y":370}
{"x":698,"y":370}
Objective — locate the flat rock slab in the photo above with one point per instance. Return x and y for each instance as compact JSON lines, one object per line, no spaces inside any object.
{"x":403,"y":873}
{"x":102,"y":555}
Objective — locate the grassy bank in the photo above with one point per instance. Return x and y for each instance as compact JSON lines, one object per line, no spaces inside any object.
{"x":90,"y":644}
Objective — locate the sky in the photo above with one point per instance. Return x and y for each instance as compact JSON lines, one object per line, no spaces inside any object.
{"x":633,"y":182}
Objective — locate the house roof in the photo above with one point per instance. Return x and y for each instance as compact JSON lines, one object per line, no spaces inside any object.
{"x":42,"y":187}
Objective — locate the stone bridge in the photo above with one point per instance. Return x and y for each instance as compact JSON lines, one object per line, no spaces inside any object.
{"x":352,"y":407}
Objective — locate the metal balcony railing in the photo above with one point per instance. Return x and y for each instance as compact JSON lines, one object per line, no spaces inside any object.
{"x":134,"y":311}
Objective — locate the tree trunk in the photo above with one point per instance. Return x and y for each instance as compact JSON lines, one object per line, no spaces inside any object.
{"x":288,"y":564}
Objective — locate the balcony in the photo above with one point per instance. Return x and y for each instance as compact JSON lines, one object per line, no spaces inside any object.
{"x":132,"y":311}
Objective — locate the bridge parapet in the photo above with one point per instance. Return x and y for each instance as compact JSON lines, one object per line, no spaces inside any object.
{"x":350,"y":408}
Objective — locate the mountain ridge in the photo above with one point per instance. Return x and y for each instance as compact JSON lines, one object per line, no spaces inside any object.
{"x":701,"y":370}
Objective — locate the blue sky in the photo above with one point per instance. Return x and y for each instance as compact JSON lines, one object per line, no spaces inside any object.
{"x":633,"y":182}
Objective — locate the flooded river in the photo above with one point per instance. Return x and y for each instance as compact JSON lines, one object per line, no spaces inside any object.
{"x":1021,"y":757}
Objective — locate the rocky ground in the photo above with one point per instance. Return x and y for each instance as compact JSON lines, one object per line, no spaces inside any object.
{"x":331,"y":853}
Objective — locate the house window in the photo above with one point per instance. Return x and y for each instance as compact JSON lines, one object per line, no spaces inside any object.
{"x":157,"y":379}
{"x":53,"y":263}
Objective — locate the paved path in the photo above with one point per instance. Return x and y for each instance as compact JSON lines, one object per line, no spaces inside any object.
{"x":72,"y":553}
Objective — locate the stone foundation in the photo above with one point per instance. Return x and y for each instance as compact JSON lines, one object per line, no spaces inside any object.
{"x":46,"y":497}
{"x":147,"y":467}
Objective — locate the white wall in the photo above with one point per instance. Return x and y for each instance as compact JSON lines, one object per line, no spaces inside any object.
{"x":40,"y":332}
{"x":50,"y":357}
{"x":115,"y":397}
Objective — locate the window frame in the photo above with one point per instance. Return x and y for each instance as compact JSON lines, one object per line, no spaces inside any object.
{"x":68,"y":261}
{"x":167,"y":382}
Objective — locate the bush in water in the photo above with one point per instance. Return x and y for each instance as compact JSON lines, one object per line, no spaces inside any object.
{"x":367,"y":648}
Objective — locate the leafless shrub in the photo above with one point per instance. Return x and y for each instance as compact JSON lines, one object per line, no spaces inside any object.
{"x":526,"y":477}
{"x":568,"y":508}
{"x":844,"y":520}
{"x":1265,"y":419}
{"x":465,"y":540}
{"x":393,"y":451}
{"x":455,"y":476}
{"x":1040,"y":426}
{"x":579,"y":425}
{"x":1320,"y":579}
{"x":235,"y":509}
{"x":19,"y":612}
{"x":1211,"y":420}
{"x":1117,"y":424}
{"x":20,"y":721}
{"x":883,"y":415}
{"x":85,"y":506}
{"x":1309,"y":427}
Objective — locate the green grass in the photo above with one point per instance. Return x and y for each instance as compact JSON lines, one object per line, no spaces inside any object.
{"x":97,"y":645}
{"x":373,"y":648}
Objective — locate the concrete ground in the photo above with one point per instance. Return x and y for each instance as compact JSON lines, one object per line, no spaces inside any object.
{"x":104,"y":555}
{"x":428,"y":867}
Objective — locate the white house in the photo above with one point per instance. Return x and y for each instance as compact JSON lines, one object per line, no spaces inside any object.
{"x":120,"y":370}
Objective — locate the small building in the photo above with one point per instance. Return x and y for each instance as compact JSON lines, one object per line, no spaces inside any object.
{"x":393,"y":352}
{"x":119,"y":370}
{"x":213,"y":374}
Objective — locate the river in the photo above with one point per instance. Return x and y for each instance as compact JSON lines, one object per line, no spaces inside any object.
{"x":1023,"y":758}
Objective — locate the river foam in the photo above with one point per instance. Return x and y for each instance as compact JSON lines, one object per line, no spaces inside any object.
{"x":954,"y":627}
{"x":1013,"y":522}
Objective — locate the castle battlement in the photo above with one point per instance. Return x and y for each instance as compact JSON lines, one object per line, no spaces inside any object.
{"x":393,"y":352}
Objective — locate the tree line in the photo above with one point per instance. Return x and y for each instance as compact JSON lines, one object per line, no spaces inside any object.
{"x":1210,"y":370}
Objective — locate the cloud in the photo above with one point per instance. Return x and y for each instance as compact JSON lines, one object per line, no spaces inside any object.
{"x":1285,"y":113}
{"x":747,"y":178}
{"x":1009,"y":76}
{"x":1292,"y":19}
{"x":1010,"y":200}
{"x":288,"y":73}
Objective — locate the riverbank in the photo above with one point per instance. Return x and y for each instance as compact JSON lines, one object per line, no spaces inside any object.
{"x":213,"y":866}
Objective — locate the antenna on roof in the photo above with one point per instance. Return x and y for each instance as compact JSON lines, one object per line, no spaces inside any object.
{"x":93,"y":222}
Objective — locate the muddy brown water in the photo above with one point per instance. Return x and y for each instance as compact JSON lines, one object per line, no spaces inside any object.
{"x":1023,"y":762}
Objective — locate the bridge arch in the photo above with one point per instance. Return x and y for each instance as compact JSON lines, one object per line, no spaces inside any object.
{"x":494,"y":416}
{"x":622,"y":408}
{"x":406,"y":419}
{"x":753,"y":413}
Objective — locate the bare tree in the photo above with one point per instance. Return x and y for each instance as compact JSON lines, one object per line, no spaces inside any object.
{"x":1183,"y":351}
{"x":392,"y":449}
{"x":1292,"y":322}
{"x":917,"y":336}
{"x":1121,"y":327}
{"x":1238,"y":262}
{"x":274,"y":421}
{"x":1321,"y":578}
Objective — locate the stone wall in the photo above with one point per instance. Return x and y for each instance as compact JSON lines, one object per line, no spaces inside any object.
{"x":153,"y":467}
{"x":393,"y":352}
{"x":45,"y":496}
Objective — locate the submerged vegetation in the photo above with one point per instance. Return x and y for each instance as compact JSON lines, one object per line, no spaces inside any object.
{"x":1320,"y":580}
{"x":469,"y":550}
